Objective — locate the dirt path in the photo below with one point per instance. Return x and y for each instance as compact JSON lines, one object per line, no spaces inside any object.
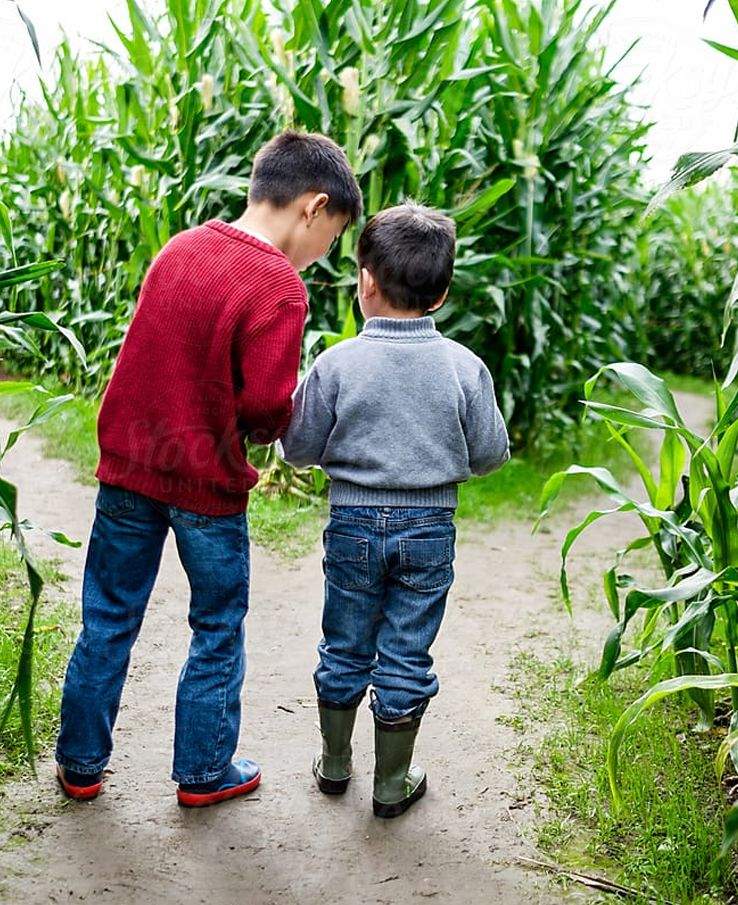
{"x":290,"y":844}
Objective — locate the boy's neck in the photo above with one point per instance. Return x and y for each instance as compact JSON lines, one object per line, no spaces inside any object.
{"x":268,"y":223}
{"x":386,"y":310}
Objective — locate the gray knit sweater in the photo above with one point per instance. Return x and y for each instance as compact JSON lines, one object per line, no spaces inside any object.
{"x":397,"y":416}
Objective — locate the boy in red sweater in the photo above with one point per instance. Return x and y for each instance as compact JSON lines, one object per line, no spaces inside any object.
{"x":210,"y":360}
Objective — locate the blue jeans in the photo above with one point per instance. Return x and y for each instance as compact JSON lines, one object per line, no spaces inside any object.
{"x":388,"y":571}
{"x":122,"y":563}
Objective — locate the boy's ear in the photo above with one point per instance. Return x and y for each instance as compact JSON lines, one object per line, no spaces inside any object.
{"x":436,"y":305}
{"x":316,"y":203}
{"x":367,"y":285}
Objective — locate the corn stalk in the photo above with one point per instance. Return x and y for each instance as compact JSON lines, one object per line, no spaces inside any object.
{"x":689,"y":518}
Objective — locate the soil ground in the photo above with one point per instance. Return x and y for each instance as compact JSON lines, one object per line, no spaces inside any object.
{"x":288,"y":843}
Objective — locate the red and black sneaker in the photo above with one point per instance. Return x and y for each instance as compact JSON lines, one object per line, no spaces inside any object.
{"x":79,"y":786}
{"x":242,"y":777}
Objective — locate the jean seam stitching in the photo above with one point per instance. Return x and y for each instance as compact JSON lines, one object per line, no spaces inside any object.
{"x":224,"y":706}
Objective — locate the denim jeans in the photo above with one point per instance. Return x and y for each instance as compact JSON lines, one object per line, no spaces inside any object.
{"x":122,"y":563}
{"x":388,"y":571}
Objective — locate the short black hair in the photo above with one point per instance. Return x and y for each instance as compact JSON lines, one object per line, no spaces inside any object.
{"x":409,"y":250}
{"x":293,"y":163}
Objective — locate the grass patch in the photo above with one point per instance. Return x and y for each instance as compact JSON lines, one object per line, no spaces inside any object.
{"x":56,"y":625}
{"x":284,"y":524}
{"x":666,"y":841}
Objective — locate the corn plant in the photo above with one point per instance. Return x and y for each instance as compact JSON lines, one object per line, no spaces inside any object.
{"x":127,"y":149}
{"x":688,"y":513}
{"x":688,"y":259}
{"x":500,"y":113}
{"x":17,"y":331}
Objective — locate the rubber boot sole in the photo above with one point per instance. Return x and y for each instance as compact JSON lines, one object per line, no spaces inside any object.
{"x":205,"y":799}
{"x":78,"y":793}
{"x":330,"y":786}
{"x":394,"y":810}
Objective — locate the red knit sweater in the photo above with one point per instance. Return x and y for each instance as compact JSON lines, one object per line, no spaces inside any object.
{"x":210,"y":359}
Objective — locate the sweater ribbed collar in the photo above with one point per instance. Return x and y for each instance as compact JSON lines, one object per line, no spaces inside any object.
{"x":407,"y":329}
{"x":250,"y":238}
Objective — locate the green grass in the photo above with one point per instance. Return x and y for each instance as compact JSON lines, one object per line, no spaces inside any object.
{"x":285,"y":525}
{"x":56,"y":626}
{"x":666,"y":840}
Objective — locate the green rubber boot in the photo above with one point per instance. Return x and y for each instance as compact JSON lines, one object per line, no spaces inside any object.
{"x":397,"y":784}
{"x":332,"y":767}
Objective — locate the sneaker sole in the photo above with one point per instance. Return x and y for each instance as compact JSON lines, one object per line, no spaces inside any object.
{"x":78,"y":793}
{"x":205,"y":799}
{"x":394,"y":810}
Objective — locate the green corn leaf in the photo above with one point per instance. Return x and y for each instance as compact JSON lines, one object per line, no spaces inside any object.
{"x":479,"y":206}
{"x":31,"y":32}
{"x":571,"y":537}
{"x":553,"y":485}
{"x":672,"y":460}
{"x":628,"y":417}
{"x":647,"y":388}
{"x":726,"y":450}
{"x":643,"y":470}
{"x":729,"y":415}
{"x":24,"y":676}
{"x":693,"y":613}
{"x":729,"y":316}
{"x":319,"y":480}
{"x":721,"y":758}
{"x":611,"y":652}
{"x":708,"y":658}
{"x":214,"y":182}
{"x":610,"y":583}
{"x":41,"y":321}
{"x":47,"y":409}
{"x":27,"y":272}
{"x":165,"y":166}
{"x":6,"y":232}
{"x":348,"y":331}
{"x":690,"y":169}
{"x":208,"y":28}
{"x":21,"y":689}
{"x":610,"y":661}
{"x":690,"y":586}
{"x":62,"y":538}
{"x":723,"y":48}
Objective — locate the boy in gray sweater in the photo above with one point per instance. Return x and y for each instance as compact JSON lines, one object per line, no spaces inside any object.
{"x":397,"y":417}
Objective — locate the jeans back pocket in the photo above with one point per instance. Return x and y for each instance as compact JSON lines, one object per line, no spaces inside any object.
{"x":346,"y":560}
{"x":114,"y":501}
{"x":426,"y":563}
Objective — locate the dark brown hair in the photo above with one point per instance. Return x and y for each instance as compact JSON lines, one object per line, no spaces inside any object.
{"x":409,"y":250}
{"x":293,"y":163}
